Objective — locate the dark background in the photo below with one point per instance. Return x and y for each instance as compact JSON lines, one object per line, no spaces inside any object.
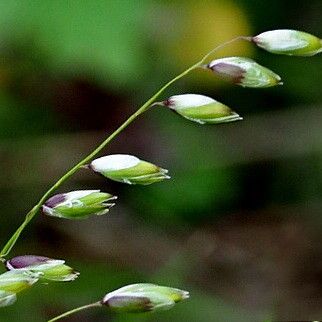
{"x":239,"y":225}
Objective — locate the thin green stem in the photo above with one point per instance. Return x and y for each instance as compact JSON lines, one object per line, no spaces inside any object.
{"x":224,"y":45}
{"x":33,"y":212}
{"x":81,"y":308}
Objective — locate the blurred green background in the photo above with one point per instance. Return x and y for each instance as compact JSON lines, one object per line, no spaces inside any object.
{"x":239,"y":225}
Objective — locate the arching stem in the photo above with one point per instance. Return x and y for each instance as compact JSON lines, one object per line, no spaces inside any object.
{"x":33,"y":212}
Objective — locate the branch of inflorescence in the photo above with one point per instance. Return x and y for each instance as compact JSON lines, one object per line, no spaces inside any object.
{"x":81,"y":308}
{"x":33,"y":212}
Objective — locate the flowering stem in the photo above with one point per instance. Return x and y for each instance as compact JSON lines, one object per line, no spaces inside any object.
{"x":81,"y":308}
{"x":33,"y":212}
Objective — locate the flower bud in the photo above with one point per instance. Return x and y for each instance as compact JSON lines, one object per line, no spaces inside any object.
{"x":128,"y":169}
{"x":16,"y":281}
{"x":48,"y":268}
{"x":78,"y":204}
{"x":201,"y":109}
{"x":143,"y":297}
{"x":289,"y":42}
{"x":7,"y":298}
{"x":244,"y":72}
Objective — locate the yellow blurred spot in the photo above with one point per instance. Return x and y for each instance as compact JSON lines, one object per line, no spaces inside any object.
{"x":204,"y":26}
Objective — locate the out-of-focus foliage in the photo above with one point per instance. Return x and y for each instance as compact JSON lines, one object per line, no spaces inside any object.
{"x":95,"y":36}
